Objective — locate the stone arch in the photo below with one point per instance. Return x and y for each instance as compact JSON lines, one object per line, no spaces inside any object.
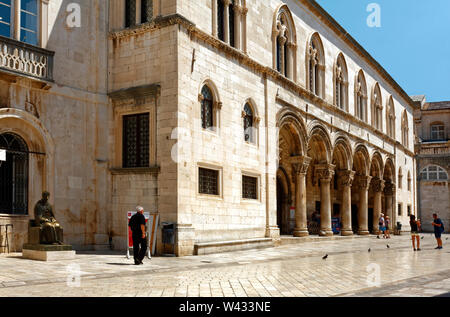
{"x":315,"y":65}
{"x":340,"y":82}
{"x":284,"y":42}
{"x":377,"y":107}
{"x":319,"y":143}
{"x":376,"y":165}
{"x":389,"y":171}
{"x":342,"y":153}
{"x":40,"y":146}
{"x":361,"y":160}
{"x":212,"y":86}
{"x":289,"y":120}
{"x":361,"y":96}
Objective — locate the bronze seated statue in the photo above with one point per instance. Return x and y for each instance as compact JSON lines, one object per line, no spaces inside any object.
{"x":44,"y":229}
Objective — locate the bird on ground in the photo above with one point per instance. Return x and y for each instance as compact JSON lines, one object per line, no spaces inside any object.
{"x":422,"y":237}
{"x":388,"y":246}
{"x":368,"y":250}
{"x":378,"y":237}
{"x":325,"y":257}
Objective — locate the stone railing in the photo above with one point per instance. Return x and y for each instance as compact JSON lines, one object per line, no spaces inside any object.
{"x":22,"y":58}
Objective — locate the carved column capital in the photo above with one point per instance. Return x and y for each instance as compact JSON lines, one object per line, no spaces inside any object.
{"x":200,"y":98}
{"x":346,"y":177}
{"x":378,"y":185}
{"x":363,"y":182}
{"x":325,"y":172}
{"x":389,"y":189}
{"x":226,"y":3}
{"x":300,"y":165}
{"x":218,"y":105}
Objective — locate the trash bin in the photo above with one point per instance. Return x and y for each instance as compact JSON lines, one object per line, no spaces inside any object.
{"x":168,"y":237}
{"x":398,"y":228}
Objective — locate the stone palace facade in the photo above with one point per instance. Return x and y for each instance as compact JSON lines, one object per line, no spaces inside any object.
{"x":239,"y":120}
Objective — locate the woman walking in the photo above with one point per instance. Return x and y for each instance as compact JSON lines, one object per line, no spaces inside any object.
{"x":387,"y":223}
{"x":415,"y":227}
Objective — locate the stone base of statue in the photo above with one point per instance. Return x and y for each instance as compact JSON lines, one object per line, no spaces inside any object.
{"x":47,"y":252}
{"x":36,"y":250}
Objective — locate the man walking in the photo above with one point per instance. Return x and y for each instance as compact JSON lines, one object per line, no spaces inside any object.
{"x":137,"y":225}
{"x":438,"y":229}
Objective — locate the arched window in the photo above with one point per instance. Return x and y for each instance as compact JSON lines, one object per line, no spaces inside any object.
{"x":377,"y":108}
{"x":250,"y":124}
{"x":230,"y":22}
{"x":284,"y":43}
{"x":341,"y":83}
{"x":361,"y":96}
{"x":207,"y":108}
{"x":405,"y":129}
{"x":433,"y":173}
{"x":390,"y":118}
{"x":14,"y":175}
{"x":400,"y":178}
{"x":316,"y":66}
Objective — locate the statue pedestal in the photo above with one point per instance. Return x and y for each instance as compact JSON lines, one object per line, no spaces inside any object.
{"x":47,"y":252}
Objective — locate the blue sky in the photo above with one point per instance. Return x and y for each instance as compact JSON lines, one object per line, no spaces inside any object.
{"x":412,"y":44}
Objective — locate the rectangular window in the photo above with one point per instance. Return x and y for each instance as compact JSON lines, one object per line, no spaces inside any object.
{"x":409,"y":210}
{"x":400,"y":209}
{"x":136,"y":141}
{"x":208,"y":181}
{"x":437,"y":132}
{"x":29,"y":21}
{"x":5,"y":18}
{"x":249,"y":187}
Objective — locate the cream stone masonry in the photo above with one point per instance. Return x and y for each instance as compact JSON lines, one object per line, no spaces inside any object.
{"x":310,"y":156}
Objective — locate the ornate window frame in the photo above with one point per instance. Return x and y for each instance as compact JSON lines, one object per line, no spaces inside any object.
{"x":390,"y":118}
{"x":405,"y":129}
{"x":377,"y":107}
{"x":216,"y":106}
{"x":361,"y":96}
{"x":284,"y":43}
{"x":254,"y":133}
{"x":315,"y":65}
{"x":340,"y":76}
{"x":230,"y":25}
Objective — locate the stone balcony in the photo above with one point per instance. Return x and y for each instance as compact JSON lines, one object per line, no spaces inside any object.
{"x":21,"y":59}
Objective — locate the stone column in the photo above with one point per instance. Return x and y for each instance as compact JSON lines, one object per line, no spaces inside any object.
{"x":346,"y":180}
{"x":363,"y":210}
{"x":226,"y":18}
{"x":389,"y":195}
{"x":324,"y":173}
{"x":282,"y":40}
{"x":378,"y":186}
{"x":237,"y":26}
{"x":244,"y":29}
{"x":290,"y":57}
{"x":300,"y":166}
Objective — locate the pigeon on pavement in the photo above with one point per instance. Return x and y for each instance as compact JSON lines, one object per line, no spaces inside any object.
{"x":388,"y":246}
{"x":325,"y":257}
{"x":368,"y":250}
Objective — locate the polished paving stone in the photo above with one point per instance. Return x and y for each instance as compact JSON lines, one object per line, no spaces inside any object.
{"x":294,"y":270}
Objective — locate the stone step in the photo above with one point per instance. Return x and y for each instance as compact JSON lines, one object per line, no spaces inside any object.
{"x":204,"y":248}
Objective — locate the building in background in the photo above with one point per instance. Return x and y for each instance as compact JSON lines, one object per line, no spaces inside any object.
{"x":237,"y":130}
{"x":432,"y":124}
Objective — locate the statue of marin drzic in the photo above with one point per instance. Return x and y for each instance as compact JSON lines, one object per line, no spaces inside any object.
{"x":51,"y":231}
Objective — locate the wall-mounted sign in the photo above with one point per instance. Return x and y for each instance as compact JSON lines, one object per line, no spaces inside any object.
{"x":3,"y":155}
